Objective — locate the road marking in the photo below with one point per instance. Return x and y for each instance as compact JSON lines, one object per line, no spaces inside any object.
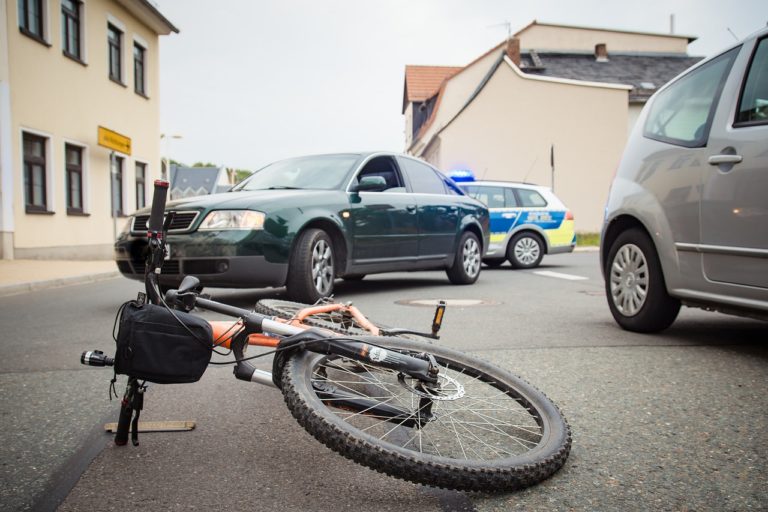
{"x":569,"y":277}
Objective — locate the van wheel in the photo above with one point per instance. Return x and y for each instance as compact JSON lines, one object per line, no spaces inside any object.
{"x":311,"y":269}
{"x":634,"y":285}
{"x":525,"y":250}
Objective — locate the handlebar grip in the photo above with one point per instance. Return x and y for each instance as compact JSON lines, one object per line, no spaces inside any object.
{"x":158,"y":206}
{"x":123,"y":424}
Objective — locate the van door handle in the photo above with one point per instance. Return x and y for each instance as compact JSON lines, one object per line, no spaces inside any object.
{"x":724,"y":159}
{"x":411,"y":208}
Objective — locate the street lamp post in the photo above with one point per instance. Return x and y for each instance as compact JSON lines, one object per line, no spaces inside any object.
{"x":164,"y":157}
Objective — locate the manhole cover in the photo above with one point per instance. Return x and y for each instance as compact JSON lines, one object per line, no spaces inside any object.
{"x":462,"y":303}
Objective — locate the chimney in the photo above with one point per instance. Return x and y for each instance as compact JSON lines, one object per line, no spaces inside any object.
{"x":601,"y":52}
{"x":513,"y":50}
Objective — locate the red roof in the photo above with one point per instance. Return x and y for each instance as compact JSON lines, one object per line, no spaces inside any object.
{"x":423,"y":82}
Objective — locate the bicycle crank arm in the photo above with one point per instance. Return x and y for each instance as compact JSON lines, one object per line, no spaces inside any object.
{"x":334,"y":398}
{"x":421,"y":369}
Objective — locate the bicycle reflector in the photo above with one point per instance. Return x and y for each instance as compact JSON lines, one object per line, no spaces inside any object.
{"x":437,"y":321}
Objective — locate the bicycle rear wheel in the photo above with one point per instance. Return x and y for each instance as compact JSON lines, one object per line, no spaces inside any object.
{"x":486,"y":429}
{"x":335,"y":321}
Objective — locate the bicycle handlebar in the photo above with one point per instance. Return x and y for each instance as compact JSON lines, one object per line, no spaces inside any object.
{"x":265,"y":323}
{"x":155,"y":224}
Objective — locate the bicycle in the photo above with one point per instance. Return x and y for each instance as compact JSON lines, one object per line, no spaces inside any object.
{"x":416,"y":411}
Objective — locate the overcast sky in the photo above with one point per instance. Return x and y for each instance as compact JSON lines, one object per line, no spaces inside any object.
{"x":248,"y":82}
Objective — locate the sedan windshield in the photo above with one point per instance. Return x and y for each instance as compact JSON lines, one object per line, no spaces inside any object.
{"x":326,"y":172}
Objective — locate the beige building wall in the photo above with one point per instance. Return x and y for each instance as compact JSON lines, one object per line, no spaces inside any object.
{"x":65,"y":101}
{"x":456,"y":93}
{"x":544,"y":37}
{"x":506,"y":133}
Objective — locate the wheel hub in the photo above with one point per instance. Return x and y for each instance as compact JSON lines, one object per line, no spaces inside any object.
{"x":447,"y":388}
{"x":527,"y":250}
{"x":629,"y":280}
{"x":322,"y":267}
{"x":471,"y":257}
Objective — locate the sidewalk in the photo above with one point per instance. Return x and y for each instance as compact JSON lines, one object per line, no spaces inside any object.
{"x":21,"y":276}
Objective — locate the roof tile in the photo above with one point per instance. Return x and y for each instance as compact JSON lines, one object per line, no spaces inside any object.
{"x":423,"y":82}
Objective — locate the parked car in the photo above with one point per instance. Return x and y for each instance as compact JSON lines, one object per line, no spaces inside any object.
{"x":303,"y":222}
{"x":527,"y":221}
{"x":687,"y":217}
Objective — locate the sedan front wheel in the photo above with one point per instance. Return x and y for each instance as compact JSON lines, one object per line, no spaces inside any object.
{"x":311,"y":270}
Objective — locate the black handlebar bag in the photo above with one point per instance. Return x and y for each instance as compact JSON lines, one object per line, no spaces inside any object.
{"x":161,"y":346}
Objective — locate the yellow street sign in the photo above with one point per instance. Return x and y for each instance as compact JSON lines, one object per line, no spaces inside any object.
{"x":115,"y":141}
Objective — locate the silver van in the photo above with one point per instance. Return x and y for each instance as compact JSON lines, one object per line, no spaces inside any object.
{"x":687,"y":216}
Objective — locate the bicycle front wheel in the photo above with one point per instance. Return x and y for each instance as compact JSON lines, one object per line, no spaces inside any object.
{"x":484,"y":429}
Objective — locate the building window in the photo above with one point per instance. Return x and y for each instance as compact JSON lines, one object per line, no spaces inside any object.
{"x":70,"y":28}
{"x":117,"y":186}
{"x":139,"y":68}
{"x":35,"y":196}
{"x":74,"y":178}
{"x":115,"y":39}
{"x":31,"y":16}
{"x":141,"y":189}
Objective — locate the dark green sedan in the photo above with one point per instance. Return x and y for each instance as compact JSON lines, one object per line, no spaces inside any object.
{"x":303,"y":222}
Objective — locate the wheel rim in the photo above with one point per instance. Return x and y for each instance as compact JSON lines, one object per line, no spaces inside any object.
{"x":471,"y":257}
{"x":478,"y":419}
{"x":629,"y":280}
{"x":322,"y":267}
{"x":527,"y":250}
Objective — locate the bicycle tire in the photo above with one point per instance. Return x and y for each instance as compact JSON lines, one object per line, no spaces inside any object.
{"x":333,"y":321}
{"x":487,"y":458}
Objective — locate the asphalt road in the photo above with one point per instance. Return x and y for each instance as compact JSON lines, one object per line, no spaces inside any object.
{"x":676,"y":421}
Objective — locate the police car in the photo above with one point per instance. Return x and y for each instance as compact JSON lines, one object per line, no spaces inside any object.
{"x":527,"y":221}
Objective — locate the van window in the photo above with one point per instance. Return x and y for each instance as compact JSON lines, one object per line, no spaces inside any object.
{"x":753,"y":106}
{"x":682,"y":113}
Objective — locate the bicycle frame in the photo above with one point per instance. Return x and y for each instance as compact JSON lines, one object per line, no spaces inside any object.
{"x":221,"y":328}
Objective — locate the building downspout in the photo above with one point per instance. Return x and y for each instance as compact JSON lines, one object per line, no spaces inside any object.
{"x":6,"y":145}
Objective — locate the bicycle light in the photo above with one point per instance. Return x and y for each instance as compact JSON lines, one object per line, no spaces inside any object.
{"x":96,"y":358}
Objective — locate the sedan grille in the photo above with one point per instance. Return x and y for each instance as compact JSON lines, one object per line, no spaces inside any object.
{"x":182,"y":221}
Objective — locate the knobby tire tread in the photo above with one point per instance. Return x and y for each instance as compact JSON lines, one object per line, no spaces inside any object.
{"x":493,"y":477}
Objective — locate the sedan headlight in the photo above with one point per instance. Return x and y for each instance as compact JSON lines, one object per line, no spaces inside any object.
{"x":232,"y":219}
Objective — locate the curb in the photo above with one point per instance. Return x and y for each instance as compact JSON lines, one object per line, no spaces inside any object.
{"x":587,"y":248}
{"x":15,"y":289}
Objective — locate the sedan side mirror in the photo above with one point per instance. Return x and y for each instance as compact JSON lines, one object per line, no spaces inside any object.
{"x":371,"y":184}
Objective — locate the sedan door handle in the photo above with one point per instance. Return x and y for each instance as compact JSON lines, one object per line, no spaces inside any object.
{"x":411,"y":208}
{"x":724,"y":159}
